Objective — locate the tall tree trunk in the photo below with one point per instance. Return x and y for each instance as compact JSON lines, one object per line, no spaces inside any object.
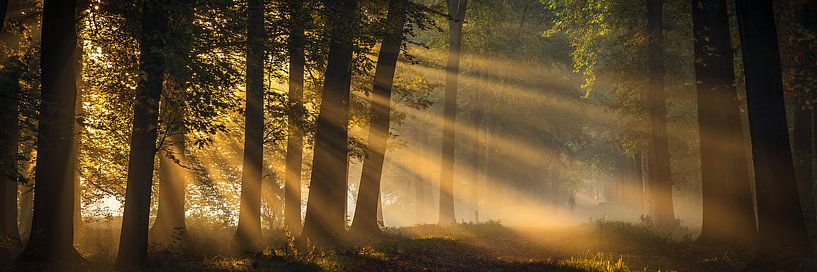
{"x":133,"y":242}
{"x":9,"y":89}
{"x":637,"y":190}
{"x":803,"y":158}
{"x":659,"y":147}
{"x":368,"y":199}
{"x":249,"y":217}
{"x":456,"y":11}
{"x":728,"y":211}
{"x":646,"y":190}
{"x":52,"y":229}
{"x":169,"y":226}
{"x":294,"y":156}
{"x":8,"y":165}
{"x":804,"y":121}
{"x":417,"y":168}
{"x":326,"y":207}
{"x":477,"y":113}
{"x":781,"y":229}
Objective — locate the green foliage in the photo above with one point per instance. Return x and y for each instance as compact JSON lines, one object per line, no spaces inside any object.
{"x":608,"y":40}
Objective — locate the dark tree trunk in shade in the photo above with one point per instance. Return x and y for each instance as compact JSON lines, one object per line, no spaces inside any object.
{"x":781,"y":229}
{"x":169,"y":226}
{"x":804,"y":121}
{"x":4,"y":5}
{"x":133,"y":242}
{"x":249,"y":217}
{"x":728,"y":210}
{"x":368,"y":199}
{"x":52,"y":228}
{"x":326,"y":207}
{"x":456,"y":11}
{"x":660,"y":177}
{"x":9,"y":89}
{"x":294,"y":153}
{"x":802,"y":152}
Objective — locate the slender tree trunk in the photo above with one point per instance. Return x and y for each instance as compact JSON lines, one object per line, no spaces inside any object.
{"x":52,"y":228}
{"x":326,"y":208}
{"x":75,"y":152}
{"x":637,"y":174}
{"x":169,"y":228}
{"x":294,"y":156}
{"x":249,"y":217}
{"x":659,"y":146}
{"x":456,"y":11}
{"x":728,"y":211}
{"x":133,"y":243}
{"x":417,"y":170}
{"x":26,"y":210}
{"x":368,"y":199}
{"x":477,"y":149}
{"x":781,"y":229}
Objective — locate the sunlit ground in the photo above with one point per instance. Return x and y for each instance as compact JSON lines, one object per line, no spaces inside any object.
{"x":597,"y":245}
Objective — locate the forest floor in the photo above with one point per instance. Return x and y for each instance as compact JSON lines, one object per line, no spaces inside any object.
{"x":592,"y":246}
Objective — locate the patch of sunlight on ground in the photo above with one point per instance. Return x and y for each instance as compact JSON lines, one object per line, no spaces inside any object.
{"x":597,"y":262}
{"x":232,"y":264}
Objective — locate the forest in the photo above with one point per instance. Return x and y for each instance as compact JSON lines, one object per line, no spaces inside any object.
{"x":408,"y":135}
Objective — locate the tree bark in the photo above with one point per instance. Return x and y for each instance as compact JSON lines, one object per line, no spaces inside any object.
{"x":636,"y":182}
{"x":8,"y":165}
{"x":249,"y":217}
{"x":368,"y":199}
{"x":417,"y":168}
{"x":781,"y":229}
{"x":26,"y":195}
{"x":803,"y":157}
{"x":326,"y":207}
{"x":659,"y":147}
{"x":52,"y":228}
{"x":456,"y":11}
{"x":133,"y":243}
{"x":75,"y":152}
{"x":9,"y":92}
{"x":294,"y":153}
{"x":477,"y":148}
{"x":728,"y":211}
{"x":804,"y":121}
{"x":169,"y":226}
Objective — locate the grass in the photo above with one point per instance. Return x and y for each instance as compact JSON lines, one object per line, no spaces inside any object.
{"x":594,"y":246}
{"x":598,"y":262}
